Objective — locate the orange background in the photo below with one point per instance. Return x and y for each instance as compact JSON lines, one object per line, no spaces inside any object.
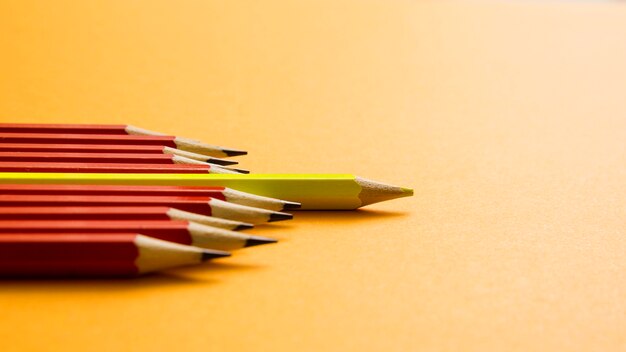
{"x":508,"y":119}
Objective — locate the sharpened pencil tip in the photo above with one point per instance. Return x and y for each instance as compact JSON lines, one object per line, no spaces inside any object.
{"x":258,"y":240}
{"x":243,"y":227}
{"x":291,"y":205}
{"x":222,"y":162}
{"x":212,"y":254}
{"x":407,"y":191}
{"x":241,"y":171}
{"x":232,"y":152}
{"x":277,"y":216}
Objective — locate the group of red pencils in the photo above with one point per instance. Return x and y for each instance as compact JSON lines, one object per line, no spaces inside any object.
{"x":114,"y":230}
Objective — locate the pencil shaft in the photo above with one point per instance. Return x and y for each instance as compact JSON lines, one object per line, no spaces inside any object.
{"x":80,"y":148}
{"x":68,"y":255}
{"x":106,"y":213}
{"x":200,"y":205}
{"x":113,"y":190}
{"x":59,"y":157}
{"x":173,"y":231}
{"x":122,"y":254}
{"x":83,"y":213}
{"x":62,"y":128}
{"x":66,"y":138}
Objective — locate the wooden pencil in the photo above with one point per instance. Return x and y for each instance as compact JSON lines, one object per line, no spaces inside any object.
{"x":168,"y":141}
{"x":200,"y":205}
{"x":119,"y":130}
{"x":87,"y":255}
{"x":221,"y":193}
{"x":313,"y":191}
{"x":109,"y":149}
{"x":25,"y":166}
{"x":116,"y":158}
{"x":183,"y":232}
{"x":117,"y":213}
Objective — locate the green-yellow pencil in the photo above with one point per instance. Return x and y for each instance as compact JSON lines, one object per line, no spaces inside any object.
{"x":314,"y":191}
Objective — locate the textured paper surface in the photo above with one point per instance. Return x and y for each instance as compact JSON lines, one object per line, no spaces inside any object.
{"x":507,"y":119}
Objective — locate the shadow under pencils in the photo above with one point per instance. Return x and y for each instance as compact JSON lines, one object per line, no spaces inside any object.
{"x":209,"y":272}
{"x":354,"y":216}
{"x":178,"y":276}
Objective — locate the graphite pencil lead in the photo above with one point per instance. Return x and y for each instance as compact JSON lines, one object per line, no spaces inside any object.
{"x":233,"y":152}
{"x":278,"y":216}
{"x":241,"y":171}
{"x":243,"y":226}
{"x":259,"y":240}
{"x":208,"y":254}
{"x":232,"y":169}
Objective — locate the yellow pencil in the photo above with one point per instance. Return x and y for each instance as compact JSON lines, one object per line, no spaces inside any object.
{"x":314,"y":191}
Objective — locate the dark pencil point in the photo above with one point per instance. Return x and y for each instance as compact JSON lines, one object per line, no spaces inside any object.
{"x":291,"y":205}
{"x":232,"y":152}
{"x":212,"y":254}
{"x":243,"y":227}
{"x":241,"y":171}
{"x":222,"y":162}
{"x":280,"y":216}
{"x":258,"y":240}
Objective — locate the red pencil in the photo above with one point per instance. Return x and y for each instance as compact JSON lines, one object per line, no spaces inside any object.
{"x":201,"y":205}
{"x":183,"y":232}
{"x":72,"y":128}
{"x":105,"y":158}
{"x":88,"y":255}
{"x":115,"y":130}
{"x":105,"y":149}
{"x":221,"y":193}
{"x":168,"y":141}
{"x":124,"y":158}
{"x":117,"y":213}
{"x":113,"y":168}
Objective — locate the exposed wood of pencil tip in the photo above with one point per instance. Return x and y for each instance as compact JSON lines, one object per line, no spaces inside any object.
{"x":177,"y":214}
{"x":245,"y":213}
{"x":257,"y":201}
{"x":374,"y":192}
{"x":210,"y":237}
{"x":155,"y":254}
